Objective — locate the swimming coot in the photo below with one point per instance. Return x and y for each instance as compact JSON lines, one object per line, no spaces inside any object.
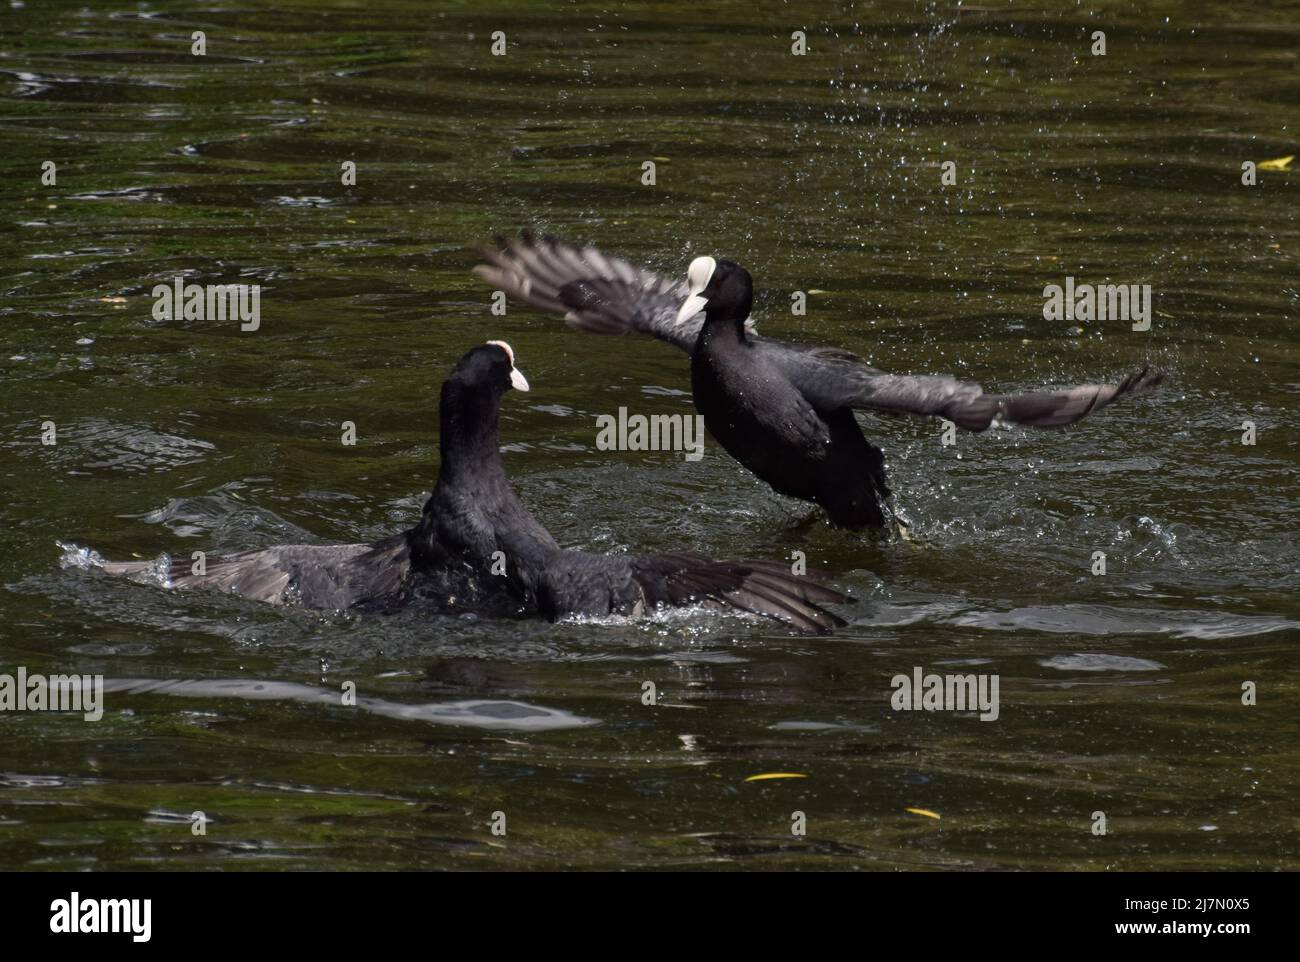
{"x":477,"y":548}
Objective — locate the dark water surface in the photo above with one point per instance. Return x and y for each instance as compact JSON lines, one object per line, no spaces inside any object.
{"x":1120,"y":693}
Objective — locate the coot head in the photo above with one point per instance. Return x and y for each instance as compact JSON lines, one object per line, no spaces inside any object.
{"x":490,"y":366}
{"x":723,"y":290}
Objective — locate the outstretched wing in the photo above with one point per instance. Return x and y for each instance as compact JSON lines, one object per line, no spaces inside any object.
{"x":259,"y":575}
{"x":833,"y":379}
{"x":314,"y":576}
{"x":594,"y":292}
{"x":759,"y":587}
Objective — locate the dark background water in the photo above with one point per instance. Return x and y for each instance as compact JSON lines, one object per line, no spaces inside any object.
{"x":1119,"y":693}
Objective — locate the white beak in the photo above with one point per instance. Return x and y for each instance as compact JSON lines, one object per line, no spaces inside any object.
{"x":698,"y":276}
{"x":517,"y":379}
{"x":692,"y":306}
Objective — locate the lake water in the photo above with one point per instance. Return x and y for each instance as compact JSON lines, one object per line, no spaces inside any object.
{"x":1119,"y":693}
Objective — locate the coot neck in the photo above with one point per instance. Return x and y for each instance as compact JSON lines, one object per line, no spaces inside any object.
{"x":469,"y":442}
{"x":722,"y":331}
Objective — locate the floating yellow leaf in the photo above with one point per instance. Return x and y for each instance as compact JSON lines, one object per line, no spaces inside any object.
{"x":1277,"y":163}
{"x":767,"y":776}
{"x":923,"y":811}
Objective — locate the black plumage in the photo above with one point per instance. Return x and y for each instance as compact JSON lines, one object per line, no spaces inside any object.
{"x":784,"y":411}
{"x":477,"y":548}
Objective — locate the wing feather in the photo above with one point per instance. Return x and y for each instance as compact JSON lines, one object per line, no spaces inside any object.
{"x":833,"y":379}
{"x":594,"y":291}
{"x":763,"y":588}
